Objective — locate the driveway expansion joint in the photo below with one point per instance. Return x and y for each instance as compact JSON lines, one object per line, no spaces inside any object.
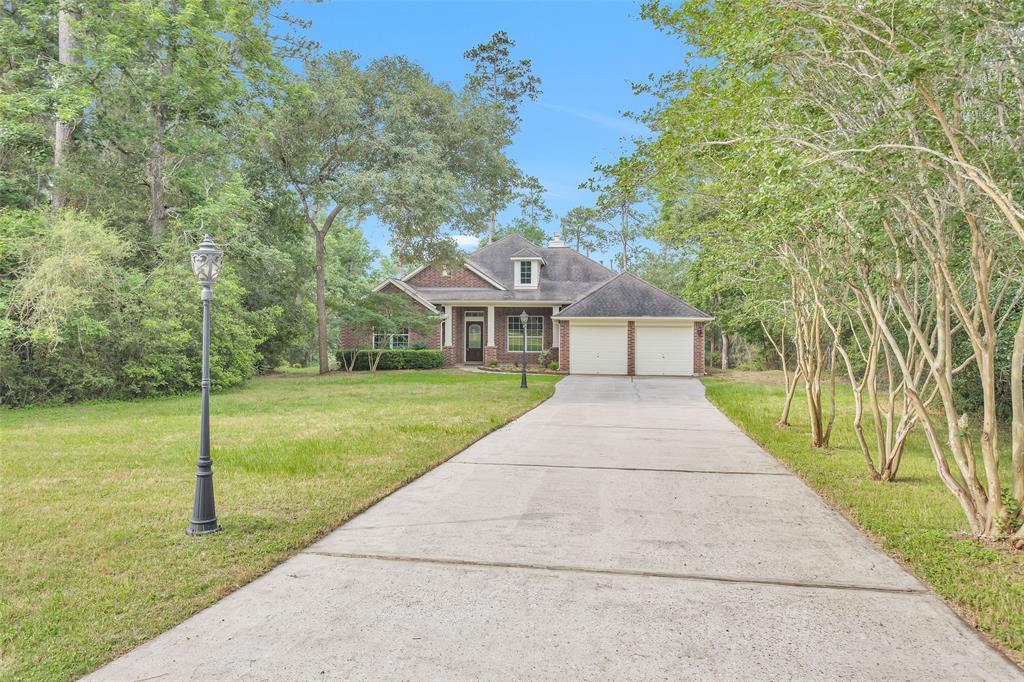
{"x":611,"y":468}
{"x":700,"y":577}
{"x":641,"y":428}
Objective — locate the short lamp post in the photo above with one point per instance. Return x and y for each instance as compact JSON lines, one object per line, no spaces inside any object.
{"x":206,"y":262}
{"x":523,"y":319}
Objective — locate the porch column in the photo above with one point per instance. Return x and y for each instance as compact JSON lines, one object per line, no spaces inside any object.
{"x":446,"y":311}
{"x":490,"y":326}
{"x":554,"y":326}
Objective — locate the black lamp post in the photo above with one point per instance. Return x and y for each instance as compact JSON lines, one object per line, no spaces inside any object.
{"x":523,"y":319}
{"x":206,"y":262}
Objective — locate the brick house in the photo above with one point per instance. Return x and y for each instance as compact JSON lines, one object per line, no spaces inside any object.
{"x":595,"y":320}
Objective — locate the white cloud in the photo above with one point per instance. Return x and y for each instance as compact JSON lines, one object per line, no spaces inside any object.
{"x":466,"y":241}
{"x":620,"y":123}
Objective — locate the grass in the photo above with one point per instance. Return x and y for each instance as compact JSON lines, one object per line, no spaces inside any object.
{"x":916,"y":519}
{"x":97,"y":496}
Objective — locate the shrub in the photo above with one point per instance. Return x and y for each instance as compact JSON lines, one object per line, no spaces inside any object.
{"x":493,"y":363}
{"x":410,"y":358}
{"x":553,"y":364}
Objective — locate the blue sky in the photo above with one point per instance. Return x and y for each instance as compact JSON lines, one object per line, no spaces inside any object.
{"x":587,"y":53}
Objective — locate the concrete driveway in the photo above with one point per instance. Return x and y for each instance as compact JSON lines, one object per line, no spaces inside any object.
{"x":625,"y":529}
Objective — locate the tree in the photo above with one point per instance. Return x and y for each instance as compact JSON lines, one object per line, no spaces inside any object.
{"x":67,"y":55}
{"x":865,"y":154}
{"x":533,"y":214}
{"x":581,"y":227}
{"x":27,"y":48}
{"x":351,"y":142}
{"x":622,"y":205}
{"x":382,"y":315}
{"x":503,"y":83}
{"x":162,"y":91}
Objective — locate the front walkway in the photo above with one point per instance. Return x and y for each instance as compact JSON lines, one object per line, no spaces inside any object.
{"x":623,"y":530}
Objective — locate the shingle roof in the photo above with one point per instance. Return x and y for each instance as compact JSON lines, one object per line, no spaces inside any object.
{"x":528,"y":252}
{"x":560,"y":293}
{"x":567,"y":275}
{"x":626,"y":295}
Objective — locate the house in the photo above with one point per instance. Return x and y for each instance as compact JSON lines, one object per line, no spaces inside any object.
{"x":595,"y":320}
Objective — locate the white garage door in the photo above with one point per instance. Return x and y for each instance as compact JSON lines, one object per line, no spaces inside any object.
{"x":664,"y":350}
{"x":597,"y":349}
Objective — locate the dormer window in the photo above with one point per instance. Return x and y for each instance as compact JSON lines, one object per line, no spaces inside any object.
{"x":526,"y":266}
{"x":525,"y":273}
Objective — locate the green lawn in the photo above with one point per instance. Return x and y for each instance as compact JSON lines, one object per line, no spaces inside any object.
{"x":916,"y":519}
{"x":96,"y":497}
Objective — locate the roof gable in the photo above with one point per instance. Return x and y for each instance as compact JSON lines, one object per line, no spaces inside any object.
{"x":454,"y":276}
{"x":626,"y":295}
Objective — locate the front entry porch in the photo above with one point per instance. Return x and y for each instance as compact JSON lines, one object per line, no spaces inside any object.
{"x":491,"y":334}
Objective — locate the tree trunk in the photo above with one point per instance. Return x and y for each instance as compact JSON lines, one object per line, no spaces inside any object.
{"x":790,"y":392}
{"x":157,"y":201}
{"x":158,"y":214}
{"x":491,"y":227}
{"x":1017,"y":419}
{"x":321,"y":302}
{"x":62,"y":129}
{"x":625,"y":239}
{"x":725,"y":351}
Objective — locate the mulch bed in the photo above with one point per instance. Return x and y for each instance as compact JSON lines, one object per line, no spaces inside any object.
{"x":509,"y":369}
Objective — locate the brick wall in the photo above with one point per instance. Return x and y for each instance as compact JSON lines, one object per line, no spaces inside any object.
{"x":501,"y":316}
{"x":563,"y":345}
{"x":698,"y":348}
{"x":458,"y":276}
{"x":351,"y":338}
{"x":458,"y":317}
{"x":631,"y":348}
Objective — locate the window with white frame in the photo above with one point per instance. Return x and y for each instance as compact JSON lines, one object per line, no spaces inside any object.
{"x":534,"y":334}
{"x":399,"y":340}
{"x":525,"y":272}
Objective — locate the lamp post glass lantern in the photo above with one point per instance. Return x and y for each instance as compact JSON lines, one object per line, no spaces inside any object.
{"x":523,"y":319}
{"x":206,"y":261}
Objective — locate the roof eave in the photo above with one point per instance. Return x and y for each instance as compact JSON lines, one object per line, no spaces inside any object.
{"x":638,"y":318}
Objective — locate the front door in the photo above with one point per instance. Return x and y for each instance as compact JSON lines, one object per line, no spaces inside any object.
{"x":474,"y":342}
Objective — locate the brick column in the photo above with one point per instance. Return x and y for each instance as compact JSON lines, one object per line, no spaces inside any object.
{"x":631,"y":348}
{"x":563,"y":345}
{"x":698,"y":348}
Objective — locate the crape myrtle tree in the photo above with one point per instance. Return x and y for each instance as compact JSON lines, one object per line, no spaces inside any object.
{"x":502,"y":83}
{"x":870,"y":152}
{"x":350,"y":142}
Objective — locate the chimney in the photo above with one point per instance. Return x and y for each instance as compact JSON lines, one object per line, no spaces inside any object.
{"x":556,"y":241}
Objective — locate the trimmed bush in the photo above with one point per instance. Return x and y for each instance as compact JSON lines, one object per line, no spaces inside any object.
{"x":406,"y":358}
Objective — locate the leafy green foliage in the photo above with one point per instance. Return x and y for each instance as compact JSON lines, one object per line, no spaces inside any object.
{"x":405,"y":358}
{"x":122,"y":333}
{"x":582,"y":230}
{"x":183,"y":119}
